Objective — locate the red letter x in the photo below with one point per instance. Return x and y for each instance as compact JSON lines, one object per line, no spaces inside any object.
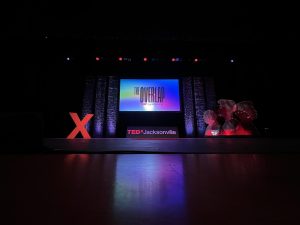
{"x":80,"y":126}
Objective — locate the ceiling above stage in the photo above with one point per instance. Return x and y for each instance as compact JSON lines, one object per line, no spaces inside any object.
{"x":150,"y":21}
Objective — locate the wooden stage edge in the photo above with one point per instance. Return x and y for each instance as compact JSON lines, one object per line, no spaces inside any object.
{"x":174,"y":145}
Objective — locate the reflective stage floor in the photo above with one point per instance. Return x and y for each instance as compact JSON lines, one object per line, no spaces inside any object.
{"x":134,"y":189}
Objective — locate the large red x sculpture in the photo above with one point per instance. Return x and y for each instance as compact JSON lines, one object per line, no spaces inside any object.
{"x":80,"y":126}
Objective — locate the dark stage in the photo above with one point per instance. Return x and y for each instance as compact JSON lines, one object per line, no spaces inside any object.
{"x":192,"y":114}
{"x":176,"y":145}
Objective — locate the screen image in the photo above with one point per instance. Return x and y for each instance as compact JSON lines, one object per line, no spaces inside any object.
{"x":149,"y":95}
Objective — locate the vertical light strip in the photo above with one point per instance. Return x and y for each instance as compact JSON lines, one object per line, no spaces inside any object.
{"x":200,"y":104}
{"x":112,"y":106}
{"x":188,"y":106}
{"x":100,"y":102}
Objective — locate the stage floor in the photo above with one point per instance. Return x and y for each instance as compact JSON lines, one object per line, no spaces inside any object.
{"x":150,"y":189}
{"x":178,"y":145}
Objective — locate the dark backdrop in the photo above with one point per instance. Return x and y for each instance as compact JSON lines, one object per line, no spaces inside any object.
{"x":37,"y":38}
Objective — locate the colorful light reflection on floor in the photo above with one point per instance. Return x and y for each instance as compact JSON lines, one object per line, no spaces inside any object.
{"x":149,"y":184}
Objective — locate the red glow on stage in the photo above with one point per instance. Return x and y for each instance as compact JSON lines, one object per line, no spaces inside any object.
{"x":145,"y":59}
{"x":97,"y":58}
{"x":240,"y":130}
{"x":120,"y":59}
{"x":173,"y":59}
{"x":228,"y":132}
{"x":80,"y":126}
{"x":196,"y":60}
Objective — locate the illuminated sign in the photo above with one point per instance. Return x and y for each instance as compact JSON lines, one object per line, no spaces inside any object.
{"x":152,"y":132}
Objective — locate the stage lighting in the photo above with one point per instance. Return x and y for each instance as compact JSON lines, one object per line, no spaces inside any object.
{"x":145,"y":59}
{"x":177,"y":59}
{"x":196,"y":60}
{"x":97,"y":58}
{"x":68,"y":58}
{"x":232,"y":60}
{"x":120,"y":59}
